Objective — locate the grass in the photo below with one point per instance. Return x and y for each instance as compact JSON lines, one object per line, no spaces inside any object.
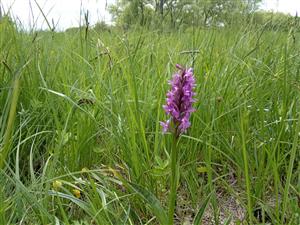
{"x":86,"y":112}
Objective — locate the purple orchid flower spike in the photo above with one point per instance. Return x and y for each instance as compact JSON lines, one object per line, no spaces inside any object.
{"x":179,"y":100}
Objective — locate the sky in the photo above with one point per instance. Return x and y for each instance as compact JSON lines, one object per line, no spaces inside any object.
{"x":66,"y":13}
{"x":285,"y":6}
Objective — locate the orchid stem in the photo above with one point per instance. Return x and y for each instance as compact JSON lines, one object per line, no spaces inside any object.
{"x":173,"y":182}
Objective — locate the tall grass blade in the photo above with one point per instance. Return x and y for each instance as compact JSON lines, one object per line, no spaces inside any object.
{"x":10,"y":123}
{"x":201,"y":211}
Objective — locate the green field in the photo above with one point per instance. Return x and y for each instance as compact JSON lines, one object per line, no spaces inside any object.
{"x":81,"y":143}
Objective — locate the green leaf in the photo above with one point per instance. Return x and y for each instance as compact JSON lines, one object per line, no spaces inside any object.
{"x":202,"y":169}
{"x":83,"y":205}
{"x":228,"y":220}
{"x":152,"y":201}
{"x":200,"y":213}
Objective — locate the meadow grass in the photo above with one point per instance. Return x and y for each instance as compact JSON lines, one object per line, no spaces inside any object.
{"x":80,"y":137}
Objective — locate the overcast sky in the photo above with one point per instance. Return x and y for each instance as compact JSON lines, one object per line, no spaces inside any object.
{"x":66,"y":13}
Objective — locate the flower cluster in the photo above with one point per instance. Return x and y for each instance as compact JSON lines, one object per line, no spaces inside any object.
{"x":180,"y":100}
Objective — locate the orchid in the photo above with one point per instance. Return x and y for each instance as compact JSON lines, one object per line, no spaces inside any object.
{"x":178,"y":107}
{"x":179,"y":101}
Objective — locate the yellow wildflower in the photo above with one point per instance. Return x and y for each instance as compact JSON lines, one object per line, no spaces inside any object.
{"x":77,"y":193}
{"x":84,"y":170}
{"x":56,"y":184}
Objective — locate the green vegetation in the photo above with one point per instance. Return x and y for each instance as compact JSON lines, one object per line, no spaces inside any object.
{"x":81,"y":143}
{"x":178,"y":13}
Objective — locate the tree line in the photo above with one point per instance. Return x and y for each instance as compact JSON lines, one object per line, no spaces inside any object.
{"x":205,"y":13}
